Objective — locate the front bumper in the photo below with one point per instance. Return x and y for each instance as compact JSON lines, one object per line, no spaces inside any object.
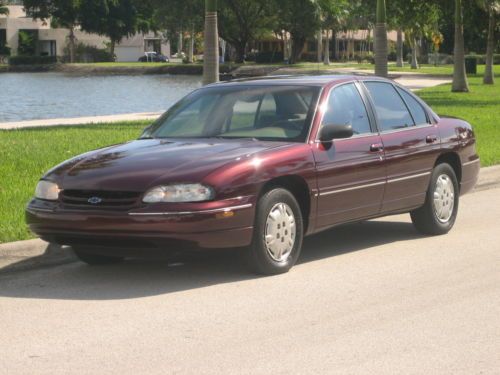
{"x":217,"y":224}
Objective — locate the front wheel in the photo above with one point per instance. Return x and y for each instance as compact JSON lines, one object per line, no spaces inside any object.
{"x":86,"y":255}
{"x":278,"y":233}
{"x":439,"y":212}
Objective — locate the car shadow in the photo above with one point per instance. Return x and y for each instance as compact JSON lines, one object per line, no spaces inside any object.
{"x":136,"y":278}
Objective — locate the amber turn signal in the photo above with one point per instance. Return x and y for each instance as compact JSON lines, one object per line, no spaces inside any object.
{"x":224,"y":215}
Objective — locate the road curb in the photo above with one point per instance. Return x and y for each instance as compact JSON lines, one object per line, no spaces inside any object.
{"x":30,"y":254}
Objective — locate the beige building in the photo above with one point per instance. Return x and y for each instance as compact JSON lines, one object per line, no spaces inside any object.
{"x":52,"y":41}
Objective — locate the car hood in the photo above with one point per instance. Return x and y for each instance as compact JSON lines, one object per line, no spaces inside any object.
{"x":140,"y":164}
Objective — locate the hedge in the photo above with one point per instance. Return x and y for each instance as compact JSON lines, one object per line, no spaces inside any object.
{"x":32,"y":60}
{"x":268,"y":57}
{"x":481,"y":59}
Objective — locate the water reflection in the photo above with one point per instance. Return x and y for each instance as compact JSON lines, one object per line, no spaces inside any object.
{"x":30,"y":96}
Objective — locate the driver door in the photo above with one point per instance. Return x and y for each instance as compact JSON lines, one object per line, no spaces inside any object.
{"x":350,"y":172}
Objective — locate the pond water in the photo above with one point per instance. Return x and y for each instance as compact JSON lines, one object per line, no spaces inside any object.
{"x":32,"y":96}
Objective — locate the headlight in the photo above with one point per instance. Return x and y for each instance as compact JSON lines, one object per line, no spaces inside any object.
{"x":47,"y":190}
{"x":179,"y":193}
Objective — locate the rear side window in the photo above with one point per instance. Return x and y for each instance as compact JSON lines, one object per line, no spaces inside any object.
{"x":392,"y":112}
{"x":416,"y":109}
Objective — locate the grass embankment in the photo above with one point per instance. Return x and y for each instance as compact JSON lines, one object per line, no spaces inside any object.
{"x":28,"y":153}
{"x":445,"y":70}
{"x":480,"y":107}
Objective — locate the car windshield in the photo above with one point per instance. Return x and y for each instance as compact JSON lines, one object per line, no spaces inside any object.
{"x":281,"y":113}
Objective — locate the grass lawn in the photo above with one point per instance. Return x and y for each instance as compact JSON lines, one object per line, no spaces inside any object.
{"x":27,"y":153}
{"x":424,"y":68}
{"x":137,"y":64}
{"x":480,"y":107}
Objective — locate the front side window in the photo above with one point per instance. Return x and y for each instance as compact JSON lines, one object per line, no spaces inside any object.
{"x":392,"y":113}
{"x":345,"y":107}
{"x":268,"y":113}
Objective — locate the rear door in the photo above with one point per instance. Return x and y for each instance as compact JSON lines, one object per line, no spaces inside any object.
{"x":350,"y":172}
{"x":411,"y":144}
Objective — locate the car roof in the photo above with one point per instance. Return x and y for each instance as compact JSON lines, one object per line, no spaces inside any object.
{"x":305,"y":80}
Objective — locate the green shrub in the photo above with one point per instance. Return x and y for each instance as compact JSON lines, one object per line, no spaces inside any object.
{"x":28,"y":40}
{"x":481,"y":59}
{"x":268,"y":57}
{"x":309,"y":57}
{"x":4,"y":50}
{"x":32,"y":60}
{"x":88,"y":54}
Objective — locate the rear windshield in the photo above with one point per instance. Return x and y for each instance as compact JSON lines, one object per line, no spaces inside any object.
{"x":281,"y":113}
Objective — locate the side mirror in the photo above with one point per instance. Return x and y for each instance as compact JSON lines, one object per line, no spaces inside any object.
{"x":145,"y":132}
{"x":330,"y":132}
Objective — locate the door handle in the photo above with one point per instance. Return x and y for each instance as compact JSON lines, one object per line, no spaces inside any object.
{"x":376,"y":147}
{"x":431,"y":138}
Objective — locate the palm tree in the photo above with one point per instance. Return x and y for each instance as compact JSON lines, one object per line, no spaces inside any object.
{"x":399,"y":49}
{"x":211,"y":48}
{"x":3,"y":9}
{"x":319,"y":40}
{"x":460,"y":83}
{"x":381,"y":49}
{"x":492,"y":7}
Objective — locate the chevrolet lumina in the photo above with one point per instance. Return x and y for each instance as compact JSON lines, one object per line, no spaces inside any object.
{"x":258,"y":165}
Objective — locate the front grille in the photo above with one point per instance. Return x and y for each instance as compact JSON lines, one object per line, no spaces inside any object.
{"x":84,"y":198}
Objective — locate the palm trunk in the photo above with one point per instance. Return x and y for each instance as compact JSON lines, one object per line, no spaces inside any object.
{"x":71,"y":45}
{"x":112,"y":45}
{"x":286,"y":55}
{"x":320,"y":46}
{"x":211,"y":47}
{"x":399,"y":49}
{"x":181,"y":44}
{"x":460,"y":83}
{"x":327,"y":48}
{"x":414,"y":54}
{"x":191,"y":46}
{"x":381,"y":49}
{"x":488,"y":69}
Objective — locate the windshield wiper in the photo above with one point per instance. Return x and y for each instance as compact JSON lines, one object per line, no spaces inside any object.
{"x":223,"y":137}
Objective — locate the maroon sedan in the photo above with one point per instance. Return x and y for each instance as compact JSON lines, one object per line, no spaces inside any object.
{"x":259,"y":164}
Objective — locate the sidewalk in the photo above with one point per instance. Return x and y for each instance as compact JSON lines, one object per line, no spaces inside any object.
{"x":25,"y":255}
{"x":80,"y":120}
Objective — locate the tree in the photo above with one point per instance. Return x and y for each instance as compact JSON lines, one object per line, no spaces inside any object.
{"x":492,"y":7}
{"x":117,"y":19}
{"x":418,"y":19}
{"x":63,"y":13}
{"x":174,"y":16}
{"x":381,"y":40}
{"x":211,"y":44}
{"x":242,"y":21}
{"x":459,"y":83}
{"x":3,"y":9}
{"x":301,"y":18}
{"x":331,"y":13}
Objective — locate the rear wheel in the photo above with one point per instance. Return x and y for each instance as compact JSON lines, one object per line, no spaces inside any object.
{"x":278,"y":233}
{"x":439,"y":211}
{"x":86,"y":255}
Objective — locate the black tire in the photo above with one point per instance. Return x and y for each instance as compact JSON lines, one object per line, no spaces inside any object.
{"x":86,"y":255}
{"x":425,"y":218}
{"x":257,"y":256}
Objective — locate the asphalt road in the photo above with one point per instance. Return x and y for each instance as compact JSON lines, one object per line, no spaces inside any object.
{"x":374,"y":297}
